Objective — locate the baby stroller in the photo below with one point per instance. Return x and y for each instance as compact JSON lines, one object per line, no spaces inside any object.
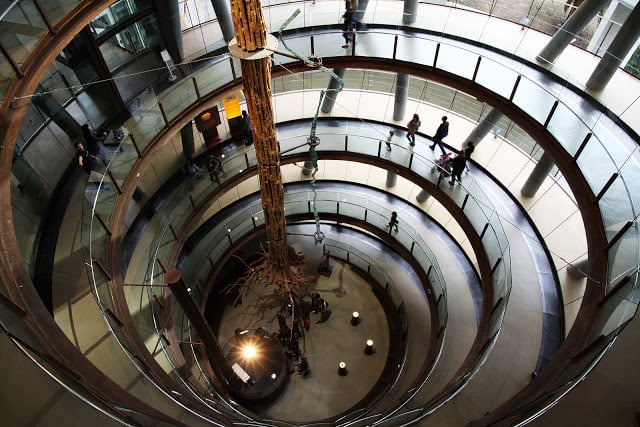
{"x":443,"y":165}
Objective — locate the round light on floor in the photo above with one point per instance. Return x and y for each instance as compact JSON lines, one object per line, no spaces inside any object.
{"x":355,"y":318}
{"x":342,"y":369}
{"x":369,"y":349}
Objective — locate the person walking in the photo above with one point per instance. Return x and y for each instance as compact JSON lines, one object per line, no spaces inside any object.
{"x":389,"y":138}
{"x":214,"y":166}
{"x":348,"y":28}
{"x":247,"y":132}
{"x":457,"y":167}
{"x":393,"y":222}
{"x":441,"y":132}
{"x":93,"y":141}
{"x":194,"y":170}
{"x":412,"y":129}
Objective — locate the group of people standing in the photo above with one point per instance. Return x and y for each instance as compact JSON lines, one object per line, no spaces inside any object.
{"x":86,"y":156}
{"x":458,"y":164}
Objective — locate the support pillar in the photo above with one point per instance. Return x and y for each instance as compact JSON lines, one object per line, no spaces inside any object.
{"x":422,"y":196}
{"x":168,"y":13}
{"x":410,"y":12}
{"x":402,"y":93}
{"x":484,"y":126}
{"x":618,"y":49}
{"x":578,"y":270}
{"x":538,"y":175}
{"x":330,"y":97}
{"x":180,"y":291}
{"x":52,"y":108}
{"x":361,"y":9}
{"x":392,"y":179}
{"x":188,"y":144}
{"x":221,"y":8}
{"x":576,"y":23}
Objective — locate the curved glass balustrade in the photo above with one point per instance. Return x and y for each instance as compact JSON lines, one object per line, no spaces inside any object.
{"x":609,"y":169}
{"x":220,"y":240}
{"x":555,"y":104}
{"x":478,"y":209}
{"x":498,"y":17}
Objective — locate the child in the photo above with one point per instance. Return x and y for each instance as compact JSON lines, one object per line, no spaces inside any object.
{"x":388,"y":142}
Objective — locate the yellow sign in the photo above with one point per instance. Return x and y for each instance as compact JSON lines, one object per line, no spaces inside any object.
{"x":231,"y":106}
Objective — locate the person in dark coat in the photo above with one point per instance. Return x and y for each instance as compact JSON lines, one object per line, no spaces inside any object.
{"x":247,"y":132}
{"x":441,"y":132}
{"x":457,"y":167}
{"x":93,"y":141}
{"x":467,"y":149}
{"x":85,"y":160}
{"x":393,"y":221}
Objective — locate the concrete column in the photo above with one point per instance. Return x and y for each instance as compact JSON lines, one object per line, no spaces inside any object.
{"x":361,"y":9}
{"x":221,"y":8}
{"x":410,"y":12}
{"x":173,"y":278}
{"x":168,"y":13}
{"x":576,"y":23}
{"x":618,"y":49}
{"x":188,"y":145}
{"x":538,"y":175}
{"x":422,"y":196}
{"x":402,"y":93}
{"x":484,"y":126}
{"x":52,"y":108}
{"x":578,"y":269}
{"x":330,"y":97}
{"x":392,"y":179}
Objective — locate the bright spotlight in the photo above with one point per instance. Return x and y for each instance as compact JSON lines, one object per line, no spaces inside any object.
{"x":249,"y":351}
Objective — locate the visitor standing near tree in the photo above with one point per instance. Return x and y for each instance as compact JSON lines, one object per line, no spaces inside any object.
{"x":247,"y":132}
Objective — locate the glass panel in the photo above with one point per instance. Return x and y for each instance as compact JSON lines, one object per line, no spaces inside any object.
{"x":618,"y":309}
{"x":567,"y":128}
{"x":533,"y":99}
{"x":145,"y":127}
{"x":300,"y":45}
{"x":116,"y":13}
{"x":596,"y":164}
{"x":374,"y":44}
{"x":409,"y":45}
{"x":182,"y":96}
{"x":23,"y":30}
{"x":496,"y":77}
{"x":624,"y":256}
{"x":124,"y":46}
{"x":214,"y":77}
{"x":456,"y":60}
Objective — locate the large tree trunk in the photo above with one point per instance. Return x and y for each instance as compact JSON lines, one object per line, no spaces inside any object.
{"x":251,"y":36}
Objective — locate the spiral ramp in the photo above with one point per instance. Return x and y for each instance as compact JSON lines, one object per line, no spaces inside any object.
{"x":496,"y":333}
